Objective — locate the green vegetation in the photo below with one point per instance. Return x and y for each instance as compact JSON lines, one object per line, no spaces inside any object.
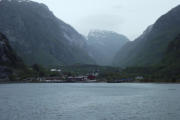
{"x":167,"y":70}
{"x":80,"y":69}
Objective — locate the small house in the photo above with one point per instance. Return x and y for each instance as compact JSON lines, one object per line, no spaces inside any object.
{"x":55,"y":70}
{"x":139,"y":78}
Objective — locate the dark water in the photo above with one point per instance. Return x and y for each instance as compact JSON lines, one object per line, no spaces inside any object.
{"x":90,"y":101}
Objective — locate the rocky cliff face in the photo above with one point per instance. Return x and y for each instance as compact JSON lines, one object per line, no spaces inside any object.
{"x":103,"y":45}
{"x":8,"y":59}
{"x":150,"y":47}
{"x":40,"y":37}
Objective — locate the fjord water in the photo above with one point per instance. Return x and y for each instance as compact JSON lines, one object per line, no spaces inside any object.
{"x":89,"y":101}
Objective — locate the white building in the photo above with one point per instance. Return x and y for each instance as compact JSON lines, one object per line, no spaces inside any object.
{"x":139,"y":78}
{"x":55,"y":70}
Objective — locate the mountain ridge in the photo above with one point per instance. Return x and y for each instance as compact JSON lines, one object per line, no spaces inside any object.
{"x":40,"y":37}
{"x":150,"y":47}
{"x":104,"y":44}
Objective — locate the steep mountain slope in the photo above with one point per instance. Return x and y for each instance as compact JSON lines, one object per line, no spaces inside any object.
{"x":170,"y":65}
{"x":150,"y":47}
{"x":40,"y":37}
{"x":8,"y":59}
{"x":172,"y":55}
{"x":103,"y":45}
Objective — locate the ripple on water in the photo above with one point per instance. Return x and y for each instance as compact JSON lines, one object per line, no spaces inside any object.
{"x":89,"y":102}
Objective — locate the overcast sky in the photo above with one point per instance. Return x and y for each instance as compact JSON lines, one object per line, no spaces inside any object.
{"x":128,"y":17}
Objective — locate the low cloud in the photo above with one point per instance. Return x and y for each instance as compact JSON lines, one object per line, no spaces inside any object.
{"x":101,"y":21}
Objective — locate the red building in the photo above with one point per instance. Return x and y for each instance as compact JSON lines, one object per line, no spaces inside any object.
{"x":91,"y":77}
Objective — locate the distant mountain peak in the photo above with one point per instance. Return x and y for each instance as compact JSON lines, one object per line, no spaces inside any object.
{"x":104,"y":44}
{"x":104,"y":34}
{"x":100,"y":31}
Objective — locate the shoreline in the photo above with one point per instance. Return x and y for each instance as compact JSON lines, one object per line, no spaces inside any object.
{"x":20,"y":82}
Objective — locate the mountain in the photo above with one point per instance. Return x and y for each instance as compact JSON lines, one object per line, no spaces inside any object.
{"x":170,"y":64}
{"x":103,"y":45}
{"x":40,"y":37}
{"x":8,"y":59}
{"x":151,"y":46}
{"x":172,"y":55}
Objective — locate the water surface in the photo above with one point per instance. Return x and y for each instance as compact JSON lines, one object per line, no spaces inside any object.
{"x":99,"y":101}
